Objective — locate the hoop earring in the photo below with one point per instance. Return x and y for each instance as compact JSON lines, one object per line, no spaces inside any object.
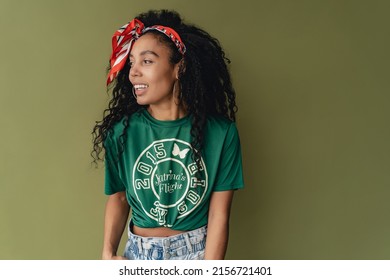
{"x":178,"y":94}
{"x":133,"y":90}
{"x":174,"y":88}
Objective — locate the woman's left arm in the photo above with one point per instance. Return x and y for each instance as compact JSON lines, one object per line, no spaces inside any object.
{"x":218,"y":225}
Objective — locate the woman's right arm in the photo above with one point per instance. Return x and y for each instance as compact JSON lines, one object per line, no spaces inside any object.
{"x":115,"y":220}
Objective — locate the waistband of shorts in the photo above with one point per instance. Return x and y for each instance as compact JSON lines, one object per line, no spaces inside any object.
{"x":177,"y":245}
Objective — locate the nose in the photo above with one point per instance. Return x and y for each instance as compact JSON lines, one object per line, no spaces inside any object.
{"x":134,"y":71}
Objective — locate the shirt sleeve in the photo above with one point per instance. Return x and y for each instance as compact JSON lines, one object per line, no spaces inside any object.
{"x":230,"y":175}
{"x":112,"y":179}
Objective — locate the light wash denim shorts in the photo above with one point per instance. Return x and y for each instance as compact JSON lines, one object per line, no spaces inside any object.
{"x":189,"y":245}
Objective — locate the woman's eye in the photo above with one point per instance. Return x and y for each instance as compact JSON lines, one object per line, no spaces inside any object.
{"x":146,"y":61}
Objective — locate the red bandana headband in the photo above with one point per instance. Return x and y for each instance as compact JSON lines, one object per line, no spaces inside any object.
{"x":123,"y":40}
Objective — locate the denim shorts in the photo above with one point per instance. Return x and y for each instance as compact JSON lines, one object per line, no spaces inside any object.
{"x":189,"y":245}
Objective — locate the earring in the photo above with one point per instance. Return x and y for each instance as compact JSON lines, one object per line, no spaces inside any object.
{"x":174,"y":88}
{"x":133,"y":90}
{"x":178,"y":94}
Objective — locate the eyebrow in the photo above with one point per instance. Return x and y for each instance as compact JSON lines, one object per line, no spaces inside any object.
{"x":147,"y":52}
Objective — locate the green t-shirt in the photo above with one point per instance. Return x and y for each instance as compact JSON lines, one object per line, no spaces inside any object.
{"x":163,"y":184}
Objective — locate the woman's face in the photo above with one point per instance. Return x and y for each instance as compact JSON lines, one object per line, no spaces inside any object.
{"x":151,"y":73}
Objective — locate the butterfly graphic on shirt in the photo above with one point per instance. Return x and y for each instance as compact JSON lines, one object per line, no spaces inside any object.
{"x":177,"y":152}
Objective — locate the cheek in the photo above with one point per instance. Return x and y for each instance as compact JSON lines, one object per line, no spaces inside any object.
{"x":163,"y":78}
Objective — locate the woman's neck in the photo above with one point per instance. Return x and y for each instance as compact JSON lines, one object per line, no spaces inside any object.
{"x":167,"y":114}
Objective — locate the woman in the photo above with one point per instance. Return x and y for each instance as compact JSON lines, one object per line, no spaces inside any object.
{"x":171,"y":147}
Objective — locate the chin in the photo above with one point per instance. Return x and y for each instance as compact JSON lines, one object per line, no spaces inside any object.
{"x":140,"y":101}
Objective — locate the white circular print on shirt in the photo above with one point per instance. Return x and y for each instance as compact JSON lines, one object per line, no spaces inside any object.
{"x":167,"y":181}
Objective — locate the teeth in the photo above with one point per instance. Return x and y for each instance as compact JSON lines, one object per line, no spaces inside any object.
{"x":140,"y":86}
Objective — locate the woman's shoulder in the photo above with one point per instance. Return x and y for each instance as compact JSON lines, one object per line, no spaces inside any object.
{"x":118,"y":127}
{"x":220,"y":125}
{"x":221,"y":122}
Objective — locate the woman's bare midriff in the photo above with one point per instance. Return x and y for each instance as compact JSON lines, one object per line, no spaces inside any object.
{"x":155,"y":232}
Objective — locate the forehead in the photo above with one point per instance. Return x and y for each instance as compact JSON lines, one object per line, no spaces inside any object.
{"x":148,"y":42}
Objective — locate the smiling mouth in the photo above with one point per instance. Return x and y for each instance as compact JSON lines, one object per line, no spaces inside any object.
{"x":139,"y":87}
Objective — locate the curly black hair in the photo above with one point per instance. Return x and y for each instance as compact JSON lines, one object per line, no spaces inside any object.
{"x":205,"y":82}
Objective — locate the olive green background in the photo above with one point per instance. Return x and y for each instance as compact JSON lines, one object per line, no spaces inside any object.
{"x":312,"y":82}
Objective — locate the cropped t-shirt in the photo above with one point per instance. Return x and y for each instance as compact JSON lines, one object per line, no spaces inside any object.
{"x":163,"y":184}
